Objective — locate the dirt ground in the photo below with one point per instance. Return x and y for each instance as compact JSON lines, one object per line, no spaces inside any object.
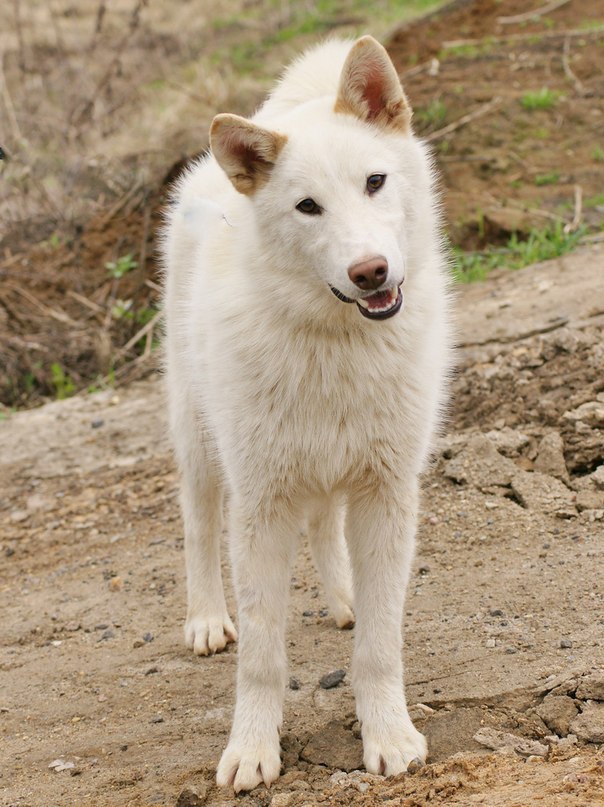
{"x":97,"y":129}
{"x":504,"y":618}
{"x":100,"y":703}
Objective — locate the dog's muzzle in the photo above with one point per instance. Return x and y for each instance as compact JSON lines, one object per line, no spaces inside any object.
{"x":380,"y":305}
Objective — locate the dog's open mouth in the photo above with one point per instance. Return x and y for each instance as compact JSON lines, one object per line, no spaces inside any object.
{"x":381,"y":305}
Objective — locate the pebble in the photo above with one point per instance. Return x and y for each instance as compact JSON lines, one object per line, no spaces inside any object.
{"x":308,"y":613}
{"x":107,"y":634}
{"x":193,"y":796}
{"x":59,"y":765}
{"x":332,"y":679}
{"x":490,"y":643}
{"x":495,"y":612}
{"x":96,"y":424}
{"x":158,"y":719}
{"x":147,"y":637}
{"x":565,"y":644}
{"x":151,"y":671}
{"x":294,"y":684}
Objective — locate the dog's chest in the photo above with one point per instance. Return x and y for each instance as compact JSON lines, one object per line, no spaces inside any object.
{"x":317,"y":412}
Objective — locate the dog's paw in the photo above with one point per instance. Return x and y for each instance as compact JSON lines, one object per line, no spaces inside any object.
{"x":244,"y":767}
{"x":393,"y":751}
{"x":209,"y":634}
{"x":343,"y":614}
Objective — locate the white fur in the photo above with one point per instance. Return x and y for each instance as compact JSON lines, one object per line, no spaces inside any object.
{"x":292,"y":405}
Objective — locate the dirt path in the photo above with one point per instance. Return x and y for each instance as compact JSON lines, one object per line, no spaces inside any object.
{"x":505,"y":615}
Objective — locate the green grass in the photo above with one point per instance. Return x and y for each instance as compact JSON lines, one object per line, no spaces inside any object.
{"x":62,"y":383}
{"x":121,"y":267}
{"x":594,"y":201}
{"x":540,"y":99}
{"x":547,"y":179}
{"x":540,"y":245}
{"x":598,"y":154}
{"x":434,"y":114}
{"x":305,"y":22}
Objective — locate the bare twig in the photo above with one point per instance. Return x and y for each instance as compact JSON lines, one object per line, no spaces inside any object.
{"x":86,"y":302}
{"x":153,"y":286}
{"x":19,"y":30}
{"x":530,"y":15}
{"x":144,"y":331}
{"x":55,"y":313}
{"x":568,"y":72}
{"x":100,"y":16}
{"x":477,"y":113}
{"x":574,"y":225}
{"x":8,"y":104}
{"x":120,"y":204}
{"x":457,"y":43}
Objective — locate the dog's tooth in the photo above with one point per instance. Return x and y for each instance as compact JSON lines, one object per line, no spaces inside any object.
{"x":363,"y":302}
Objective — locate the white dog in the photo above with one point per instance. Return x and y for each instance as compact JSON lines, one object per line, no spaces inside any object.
{"x":307,"y":349}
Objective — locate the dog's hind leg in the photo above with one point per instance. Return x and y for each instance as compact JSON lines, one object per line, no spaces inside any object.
{"x":329,"y":551}
{"x":208,"y":627}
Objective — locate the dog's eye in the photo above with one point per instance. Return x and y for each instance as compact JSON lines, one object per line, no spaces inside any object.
{"x":309,"y":206}
{"x":375,"y":182}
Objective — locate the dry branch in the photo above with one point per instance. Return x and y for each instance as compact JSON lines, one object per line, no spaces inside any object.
{"x":458,"y":43}
{"x":574,"y":225}
{"x":144,"y":331}
{"x":530,"y":15}
{"x":477,"y":113}
{"x":568,"y":72}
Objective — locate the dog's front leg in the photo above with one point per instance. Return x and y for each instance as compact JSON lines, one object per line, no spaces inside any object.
{"x":262,"y":548}
{"x":381,"y":534}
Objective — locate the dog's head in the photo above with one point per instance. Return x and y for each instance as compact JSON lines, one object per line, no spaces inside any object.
{"x":334,"y":188}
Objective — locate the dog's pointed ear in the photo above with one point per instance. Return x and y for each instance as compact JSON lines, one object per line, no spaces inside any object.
{"x":370,"y":87}
{"x":245,"y":152}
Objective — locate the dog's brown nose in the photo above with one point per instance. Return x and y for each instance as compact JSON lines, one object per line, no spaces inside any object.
{"x":369,"y":274}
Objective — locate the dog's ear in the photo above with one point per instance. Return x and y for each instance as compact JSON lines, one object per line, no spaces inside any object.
{"x":246,"y":152}
{"x":370,"y":87}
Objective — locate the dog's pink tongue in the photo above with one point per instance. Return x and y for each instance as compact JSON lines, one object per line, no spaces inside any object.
{"x":378,"y":299}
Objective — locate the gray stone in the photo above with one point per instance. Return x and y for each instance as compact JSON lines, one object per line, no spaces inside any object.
{"x":598,"y":477}
{"x":590,"y":413}
{"x":591,"y":687}
{"x":481,"y":465}
{"x":550,"y":457}
{"x":543,"y":493}
{"x":558,"y":712}
{"x":334,"y":746}
{"x":589,"y":725}
{"x":495,"y":739}
{"x":508,"y":441}
{"x":193,"y":796}
{"x":332,"y":679}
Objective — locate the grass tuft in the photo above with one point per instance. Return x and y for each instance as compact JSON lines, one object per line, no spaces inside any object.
{"x":540,"y":245}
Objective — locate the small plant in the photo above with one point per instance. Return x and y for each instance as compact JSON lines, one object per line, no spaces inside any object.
{"x":64,"y":386}
{"x":540,"y":99}
{"x":121,"y":267}
{"x":122,"y":309}
{"x":598,"y":154}
{"x":434,"y":114}
{"x":539,"y":245}
{"x":547,"y":179}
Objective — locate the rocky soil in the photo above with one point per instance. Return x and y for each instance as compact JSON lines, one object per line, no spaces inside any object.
{"x":101,"y":704}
